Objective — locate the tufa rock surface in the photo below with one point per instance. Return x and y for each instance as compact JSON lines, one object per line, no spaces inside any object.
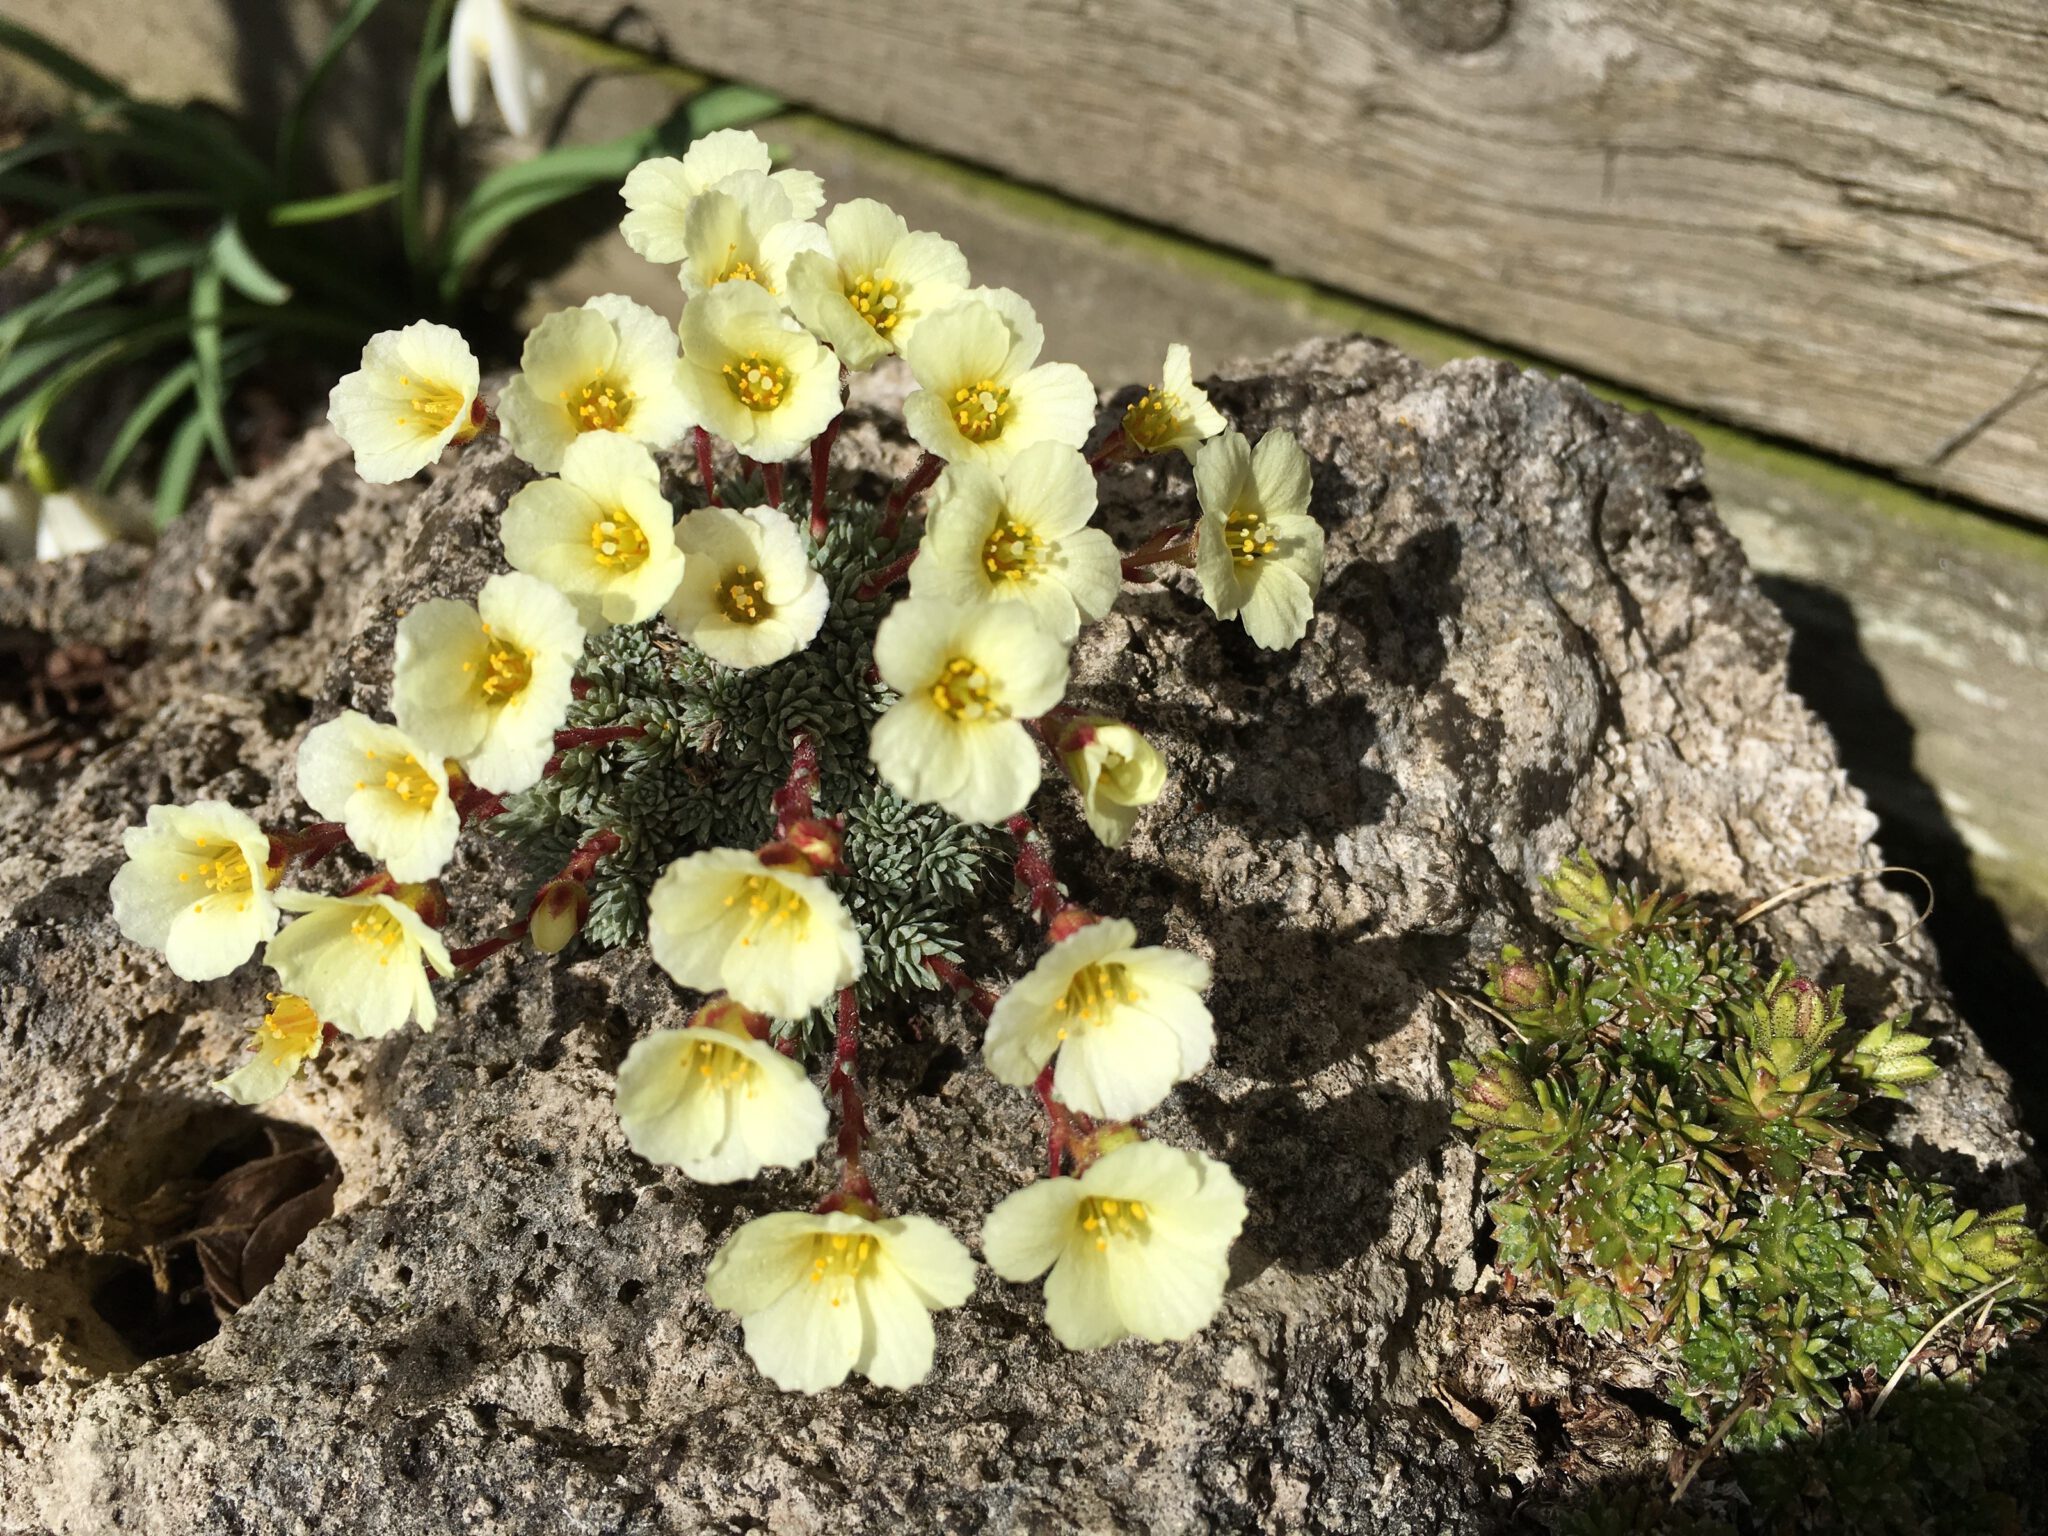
{"x":1535,"y":633}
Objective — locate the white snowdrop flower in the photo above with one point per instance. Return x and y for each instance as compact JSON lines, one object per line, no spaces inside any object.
{"x":659,"y":192}
{"x":865,"y":295}
{"x":753,"y":376}
{"x":608,"y":365}
{"x":601,"y":533}
{"x":982,"y":395}
{"x":388,"y":790}
{"x":413,"y":394}
{"x":749,"y":594}
{"x":196,"y":887}
{"x":74,"y":523}
{"x":969,"y":677}
{"x":743,"y":230}
{"x":775,"y":937}
{"x":1137,"y":1245}
{"x":1117,"y":771}
{"x":1175,"y":415}
{"x":285,"y":1041}
{"x":360,"y":962}
{"x":1259,"y":556}
{"x":489,"y":685}
{"x":486,"y":35}
{"x":716,"y":1101}
{"x":825,"y":1295}
{"x":1125,"y":1023}
{"x":1020,"y":535}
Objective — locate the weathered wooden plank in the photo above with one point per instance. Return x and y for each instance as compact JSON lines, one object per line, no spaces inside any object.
{"x":1824,"y":218}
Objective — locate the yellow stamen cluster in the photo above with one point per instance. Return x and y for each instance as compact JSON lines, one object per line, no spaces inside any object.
{"x":739,"y":270}
{"x":841,"y":1258}
{"x":963,"y":691}
{"x":600,"y":405}
{"x":740,"y":596}
{"x":617,"y":542}
{"x":433,"y":407}
{"x":756,"y":383}
{"x":979,"y":411}
{"x":1150,"y":421}
{"x":770,"y":904}
{"x":1012,"y":552}
{"x":225,"y":874}
{"x":726,"y":1068}
{"x":1120,"y":1219}
{"x":509,"y":669}
{"x":879,"y":301}
{"x":409,"y":781}
{"x":1247,"y":537}
{"x":379,"y":927}
{"x":1091,"y":997}
{"x":290,"y":1030}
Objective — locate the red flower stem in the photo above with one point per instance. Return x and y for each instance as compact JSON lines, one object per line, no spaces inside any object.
{"x":771,"y":482}
{"x":312,"y":842}
{"x":913,"y":486}
{"x":821,"y":471}
{"x":579,"y":687}
{"x":581,"y":865}
{"x":1171,"y":545}
{"x":882,"y":580}
{"x":1035,"y":871}
{"x":980,"y":997}
{"x":853,"y":1119}
{"x":473,"y":804}
{"x":794,"y":801}
{"x":1114,"y":448}
{"x":704,"y":467}
{"x":1057,"y":1123}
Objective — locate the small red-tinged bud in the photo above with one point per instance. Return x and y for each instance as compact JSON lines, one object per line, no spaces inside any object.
{"x":426,"y":898}
{"x":1522,"y":985}
{"x":725,"y":1014}
{"x":819,"y":842}
{"x":1069,"y":921}
{"x":558,"y":915}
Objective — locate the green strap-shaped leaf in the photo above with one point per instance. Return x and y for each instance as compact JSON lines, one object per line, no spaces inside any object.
{"x":243,"y":272}
{"x":118,"y":205}
{"x":181,"y":463}
{"x":426,"y":76}
{"x":238,"y":354}
{"x":338,"y":205}
{"x":292,"y":131}
{"x":207,"y":295}
{"x":93,"y":283}
{"x":67,"y":67}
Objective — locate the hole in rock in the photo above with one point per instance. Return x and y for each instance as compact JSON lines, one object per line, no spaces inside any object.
{"x":225,"y":1229}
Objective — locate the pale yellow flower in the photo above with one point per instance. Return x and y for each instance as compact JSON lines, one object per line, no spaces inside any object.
{"x":822,"y":1296}
{"x":196,"y":887}
{"x":1259,"y":556}
{"x":601,"y":533}
{"x":414,"y":394}
{"x":982,"y":395}
{"x":659,"y":192}
{"x":1137,"y":1245}
{"x":749,"y":594}
{"x":489,"y":685}
{"x":285,"y":1041}
{"x":1020,"y":534}
{"x":1125,"y":1023}
{"x":388,"y":790}
{"x":1175,"y":415}
{"x":969,"y":677}
{"x":753,"y":376}
{"x":777,"y":939}
{"x":360,"y":962}
{"x":606,"y":366}
{"x":1117,"y":771}
{"x":743,"y":231}
{"x":716,"y":1102}
{"x":865,"y":296}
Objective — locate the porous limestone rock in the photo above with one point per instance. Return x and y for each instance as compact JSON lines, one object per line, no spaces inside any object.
{"x":1535,"y":633}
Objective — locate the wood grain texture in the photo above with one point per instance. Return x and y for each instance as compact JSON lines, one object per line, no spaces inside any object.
{"x":1824,"y":218}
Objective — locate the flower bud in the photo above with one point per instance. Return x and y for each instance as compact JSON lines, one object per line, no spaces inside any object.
{"x":558,"y":914}
{"x":818,"y":842}
{"x":1522,"y":985}
{"x":1496,"y":1092}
